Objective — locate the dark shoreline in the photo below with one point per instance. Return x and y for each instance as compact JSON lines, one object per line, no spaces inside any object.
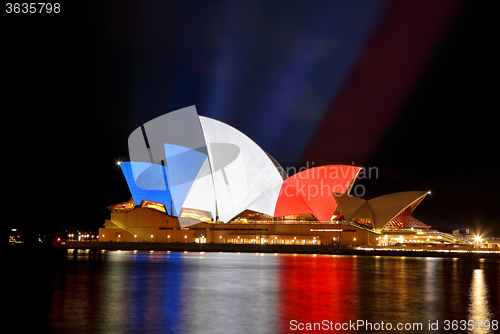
{"x":57,"y":247}
{"x":286,"y":249}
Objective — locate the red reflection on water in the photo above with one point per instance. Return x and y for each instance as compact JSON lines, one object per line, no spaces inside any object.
{"x":317,"y":289}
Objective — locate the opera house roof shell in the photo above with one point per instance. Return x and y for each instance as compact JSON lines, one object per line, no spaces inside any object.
{"x":382,"y":210}
{"x":202,"y":169}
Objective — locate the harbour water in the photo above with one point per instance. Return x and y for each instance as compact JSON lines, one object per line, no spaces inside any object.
{"x":197,"y":292}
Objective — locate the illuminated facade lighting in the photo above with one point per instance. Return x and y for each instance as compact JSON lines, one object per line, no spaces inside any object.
{"x":207,"y":172}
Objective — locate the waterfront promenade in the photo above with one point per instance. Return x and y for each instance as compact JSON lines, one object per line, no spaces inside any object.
{"x":459,"y":252}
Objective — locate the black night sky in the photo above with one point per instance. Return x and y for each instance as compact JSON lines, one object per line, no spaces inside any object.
{"x":334,"y":82}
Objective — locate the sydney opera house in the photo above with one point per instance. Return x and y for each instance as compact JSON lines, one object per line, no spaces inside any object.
{"x":196,"y":179}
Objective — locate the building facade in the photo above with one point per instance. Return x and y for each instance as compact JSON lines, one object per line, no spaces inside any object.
{"x":148,"y":223}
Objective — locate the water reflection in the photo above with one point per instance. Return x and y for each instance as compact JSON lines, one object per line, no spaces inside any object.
{"x":262,"y":293}
{"x":229,"y":293}
{"x":479,"y":309}
{"x":318,"y":288}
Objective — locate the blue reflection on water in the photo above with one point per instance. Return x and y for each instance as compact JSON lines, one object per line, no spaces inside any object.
{"x":141,"y":292}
